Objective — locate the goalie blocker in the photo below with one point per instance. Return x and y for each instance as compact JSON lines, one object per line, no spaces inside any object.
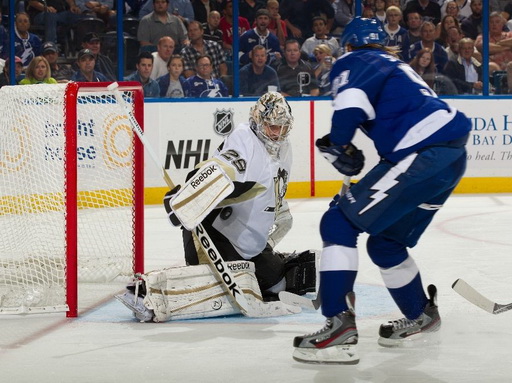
{"x":192,"y":292}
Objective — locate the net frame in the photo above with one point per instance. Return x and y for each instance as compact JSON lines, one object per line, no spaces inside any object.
{"x":133,"y":184}
{"x":71,"y":185}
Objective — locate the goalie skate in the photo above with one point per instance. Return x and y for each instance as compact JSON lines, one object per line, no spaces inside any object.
{"x":335,"y":343}
{"x":403,"y":332}
{"x":136,"y":304}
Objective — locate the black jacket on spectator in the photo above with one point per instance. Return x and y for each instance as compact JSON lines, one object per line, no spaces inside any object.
{"x":471,"y":27}
{"x":200,"y":12}
{"x":431,"y":13}
{"x":300,"y":13}
{"x":454,"y":69}
{"x":245,"y":10}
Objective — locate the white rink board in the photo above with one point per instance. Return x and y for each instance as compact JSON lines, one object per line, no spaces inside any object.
{"x":489,"y":147}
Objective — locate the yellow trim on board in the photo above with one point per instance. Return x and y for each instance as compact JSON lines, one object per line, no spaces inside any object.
{"x":324,"y":189}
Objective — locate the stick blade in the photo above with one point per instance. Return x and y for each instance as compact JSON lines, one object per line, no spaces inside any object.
{"x":298,"y":300}
{"x":473,"y":296}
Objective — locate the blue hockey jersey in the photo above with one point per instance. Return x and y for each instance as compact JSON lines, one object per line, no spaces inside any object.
{"x":391,"y":103}
{"x":198,"y":87}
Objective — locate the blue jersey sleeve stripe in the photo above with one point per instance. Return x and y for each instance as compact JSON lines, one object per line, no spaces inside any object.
{"x":354,"y":98}
{"x":425,"y":128}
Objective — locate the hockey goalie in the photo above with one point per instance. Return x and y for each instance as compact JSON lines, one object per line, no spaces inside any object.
{"x":238,"y":198}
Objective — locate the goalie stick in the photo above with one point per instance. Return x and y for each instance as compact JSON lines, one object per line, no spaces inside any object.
{"x":473,"y":296}
{"x":254,"y":309}
{"x":300,"y":300}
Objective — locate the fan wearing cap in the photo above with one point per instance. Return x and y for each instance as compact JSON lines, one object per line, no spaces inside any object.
{"x":38,"y":72}
{"x":60,"y":72}
{"x":103,"y":64}
{"x":4,"y":76}
{"x":86,"y":73}
{"x":260,"y":35}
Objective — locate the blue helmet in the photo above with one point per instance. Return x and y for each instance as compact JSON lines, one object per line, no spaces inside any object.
{"x":361,"y":31}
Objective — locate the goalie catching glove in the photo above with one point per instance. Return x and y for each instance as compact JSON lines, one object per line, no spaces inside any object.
{"x":348,"y":161}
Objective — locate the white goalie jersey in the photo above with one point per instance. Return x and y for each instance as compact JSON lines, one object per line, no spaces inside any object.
{"x":260,"y":183}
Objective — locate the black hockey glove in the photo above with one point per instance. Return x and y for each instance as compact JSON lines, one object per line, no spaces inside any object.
{"x":167,"y":205}
{"x":348,"y":161}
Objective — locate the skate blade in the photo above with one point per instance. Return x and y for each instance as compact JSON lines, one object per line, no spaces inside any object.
{"x":143,"y":315}
{"x":418,"y":340}
{"x":342,"y":354}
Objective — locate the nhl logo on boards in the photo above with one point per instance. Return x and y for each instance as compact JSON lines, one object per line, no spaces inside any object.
{"x":223,"y":121}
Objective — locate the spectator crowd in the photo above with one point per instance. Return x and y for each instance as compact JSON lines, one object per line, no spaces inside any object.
{"x":184,"y":48}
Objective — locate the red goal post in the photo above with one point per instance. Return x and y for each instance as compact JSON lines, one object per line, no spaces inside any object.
{"x":71,"y":192}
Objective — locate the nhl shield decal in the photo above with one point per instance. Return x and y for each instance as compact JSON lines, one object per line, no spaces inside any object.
{"x":223,"y":121}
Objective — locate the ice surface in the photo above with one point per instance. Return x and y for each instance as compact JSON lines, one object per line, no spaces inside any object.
{"x":470,"y":238}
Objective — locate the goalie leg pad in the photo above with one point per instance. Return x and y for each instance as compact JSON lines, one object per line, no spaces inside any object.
{"x":301,"y":273}
{"x":195,"y":292}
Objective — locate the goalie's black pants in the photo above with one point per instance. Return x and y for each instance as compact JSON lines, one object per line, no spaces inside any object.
{"x":270,"y":267}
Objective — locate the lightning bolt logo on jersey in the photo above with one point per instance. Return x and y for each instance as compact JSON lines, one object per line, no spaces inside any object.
{"x":395,"y":108}
{"x":196,"y":86}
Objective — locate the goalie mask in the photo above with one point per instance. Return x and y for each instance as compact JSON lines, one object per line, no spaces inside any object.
{"x":271,"y":119}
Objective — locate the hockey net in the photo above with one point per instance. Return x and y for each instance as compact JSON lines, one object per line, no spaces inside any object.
{"x":71,"y":193}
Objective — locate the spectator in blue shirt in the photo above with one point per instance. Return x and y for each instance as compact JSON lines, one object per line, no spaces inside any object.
{"x":257,"y":77}
{"x":144,"y":67}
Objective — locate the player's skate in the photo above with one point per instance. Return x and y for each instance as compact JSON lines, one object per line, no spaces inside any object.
{"x":335,"y":343}
{"x":397,"y":333}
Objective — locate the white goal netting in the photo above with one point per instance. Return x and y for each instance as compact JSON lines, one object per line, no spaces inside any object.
{"x":36,"y":192}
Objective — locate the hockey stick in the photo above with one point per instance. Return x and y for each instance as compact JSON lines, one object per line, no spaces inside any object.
{"x":216,"y":261}
{"x":300,"y":300}
{"x":473,"y":296}
{"x":139,"y":132}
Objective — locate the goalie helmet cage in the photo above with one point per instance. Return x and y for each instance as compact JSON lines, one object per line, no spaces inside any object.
{"x":71,"y":192}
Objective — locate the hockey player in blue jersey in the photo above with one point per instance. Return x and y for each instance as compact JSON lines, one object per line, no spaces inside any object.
{"x":421,"y":142}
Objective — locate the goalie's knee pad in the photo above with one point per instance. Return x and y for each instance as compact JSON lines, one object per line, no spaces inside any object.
{"x":300,"y":272}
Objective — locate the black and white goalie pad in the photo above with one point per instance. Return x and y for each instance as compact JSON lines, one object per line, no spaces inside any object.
{"x":190,"y":292}
{"x":201,"y":194}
